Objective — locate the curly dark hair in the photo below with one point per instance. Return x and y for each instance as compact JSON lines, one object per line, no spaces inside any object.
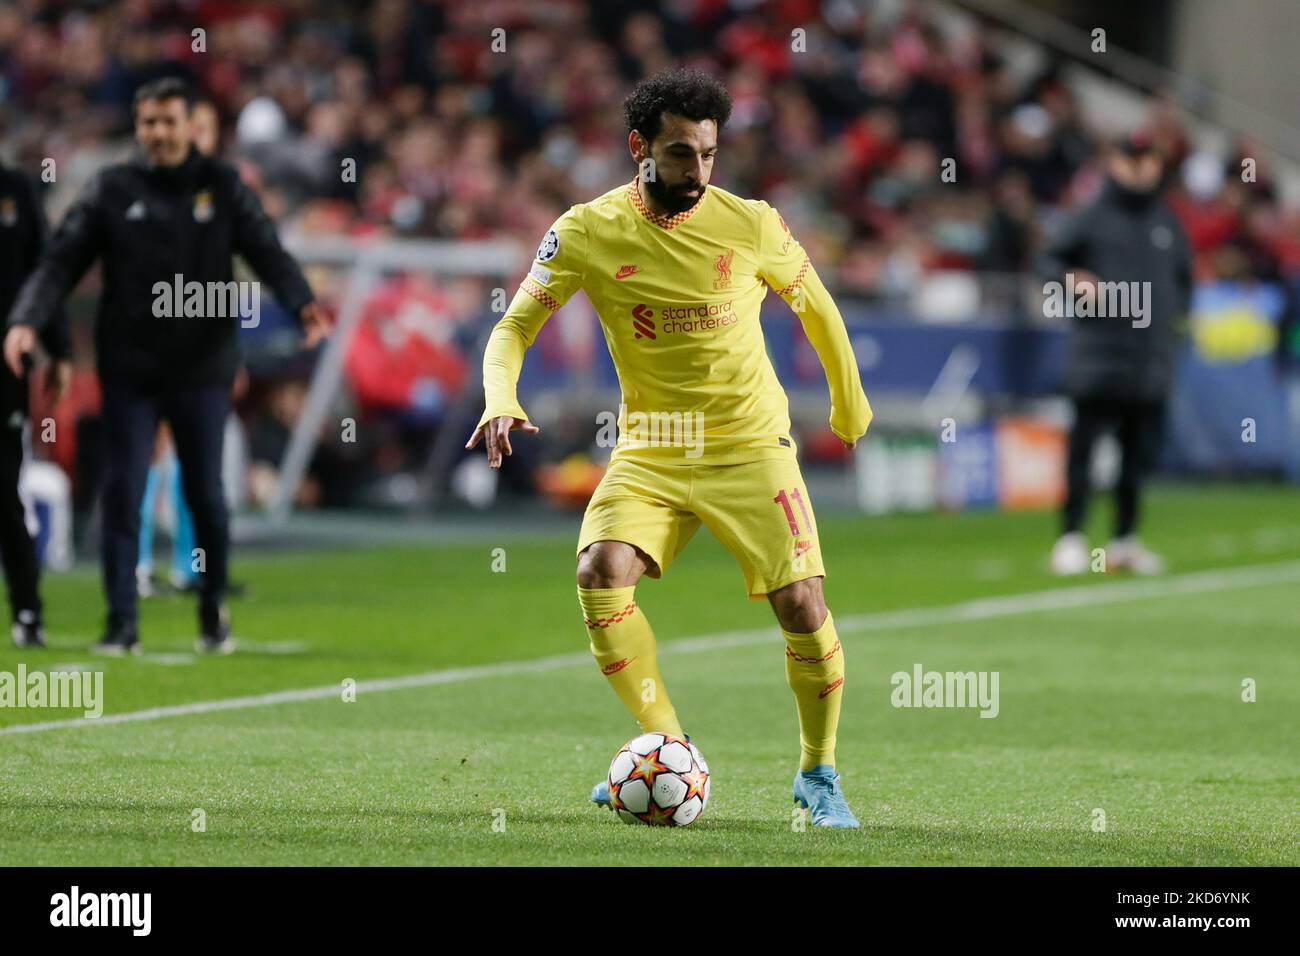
{"x":690,"y":93}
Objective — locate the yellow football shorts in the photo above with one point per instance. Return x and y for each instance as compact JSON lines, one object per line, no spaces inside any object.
{"x":759,"y":510}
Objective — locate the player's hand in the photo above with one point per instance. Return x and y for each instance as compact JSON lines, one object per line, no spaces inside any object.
{"x":58,"y":376}
{"x":840,"y":428}
{"x":20,"y":341}
{"x":497,"y":432}
{"x":316,"y":323}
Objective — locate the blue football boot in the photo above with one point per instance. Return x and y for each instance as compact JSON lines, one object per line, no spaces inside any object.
{"x":819,"y":791}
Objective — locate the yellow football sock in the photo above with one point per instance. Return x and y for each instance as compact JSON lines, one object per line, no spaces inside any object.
{"x":624,"y":647}
{"x":814,"y":668}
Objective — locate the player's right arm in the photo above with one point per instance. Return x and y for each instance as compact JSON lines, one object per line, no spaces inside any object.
{"x":556,"y":273}
{"x":75,"y":245}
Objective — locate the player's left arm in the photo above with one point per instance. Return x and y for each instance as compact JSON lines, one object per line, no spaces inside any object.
{"x":786,"y":268}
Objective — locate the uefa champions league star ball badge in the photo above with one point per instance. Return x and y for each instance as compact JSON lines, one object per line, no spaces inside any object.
{"x":549,"y":247}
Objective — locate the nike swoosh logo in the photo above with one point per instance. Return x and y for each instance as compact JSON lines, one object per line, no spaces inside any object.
{"x":830,"y":688}
{"x":617,"y":666}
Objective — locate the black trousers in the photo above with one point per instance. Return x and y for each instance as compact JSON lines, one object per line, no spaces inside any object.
{"x":198,"y":417}
{"x":18,"y":549}
{"x":1138,"y":426}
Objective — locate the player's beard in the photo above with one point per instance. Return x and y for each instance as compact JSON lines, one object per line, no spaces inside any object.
{"x":673,"y":199}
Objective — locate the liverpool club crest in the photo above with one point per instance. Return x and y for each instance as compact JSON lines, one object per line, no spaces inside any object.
{"x":723,"y":265}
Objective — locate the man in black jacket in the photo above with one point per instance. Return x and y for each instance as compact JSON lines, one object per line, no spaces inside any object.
{"x":22,"y":238}
{"x":1127,"y":270}
{"x":166,"y":224}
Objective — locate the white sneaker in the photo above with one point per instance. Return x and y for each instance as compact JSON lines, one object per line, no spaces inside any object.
{"x":1070,"y":554}
{"x":1129,"y":554}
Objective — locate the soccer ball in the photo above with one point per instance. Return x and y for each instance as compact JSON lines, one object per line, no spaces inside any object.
{"x":660,"y":780}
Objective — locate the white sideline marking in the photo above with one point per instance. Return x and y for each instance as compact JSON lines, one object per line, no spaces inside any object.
{"x":1056,"y":599}
{"x":167,"y":659}
{"x":274,"y":648}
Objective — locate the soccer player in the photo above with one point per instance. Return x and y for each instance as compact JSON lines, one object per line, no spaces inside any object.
{"x":677,"y":270}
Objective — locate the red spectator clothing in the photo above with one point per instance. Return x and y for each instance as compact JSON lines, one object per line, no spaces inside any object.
{"x":403,"y":343}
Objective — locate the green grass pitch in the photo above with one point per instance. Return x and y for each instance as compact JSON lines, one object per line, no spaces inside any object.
{"x":1130,"y":705}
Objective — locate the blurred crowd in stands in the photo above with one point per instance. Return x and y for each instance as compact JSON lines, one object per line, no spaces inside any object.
{"x":473,"y":120}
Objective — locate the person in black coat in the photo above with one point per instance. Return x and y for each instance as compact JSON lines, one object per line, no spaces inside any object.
{"x":1127,"y":249}
{"x":22,"y":240}
{"x":164,"y":225}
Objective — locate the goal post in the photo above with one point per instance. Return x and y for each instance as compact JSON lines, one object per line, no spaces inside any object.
{"x":366,"y":263}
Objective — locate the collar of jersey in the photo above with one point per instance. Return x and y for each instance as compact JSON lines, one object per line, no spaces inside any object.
{"x":664,"y":222}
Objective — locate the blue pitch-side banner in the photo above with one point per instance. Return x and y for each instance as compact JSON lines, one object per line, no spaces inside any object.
{"x":899,"y":354}
{"x":1228,"y":411}
{"x":968,"y":469}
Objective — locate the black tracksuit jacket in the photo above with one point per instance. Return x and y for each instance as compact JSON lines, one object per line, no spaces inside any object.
{"x":22,"y":240}
{"x":148,"y":225}
{"x":1124,"y":237}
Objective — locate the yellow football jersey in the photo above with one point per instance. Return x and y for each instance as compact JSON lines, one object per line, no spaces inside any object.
{"x":678,"y":299}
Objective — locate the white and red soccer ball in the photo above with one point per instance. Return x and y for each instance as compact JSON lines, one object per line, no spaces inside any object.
{"x":660,"y":780}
